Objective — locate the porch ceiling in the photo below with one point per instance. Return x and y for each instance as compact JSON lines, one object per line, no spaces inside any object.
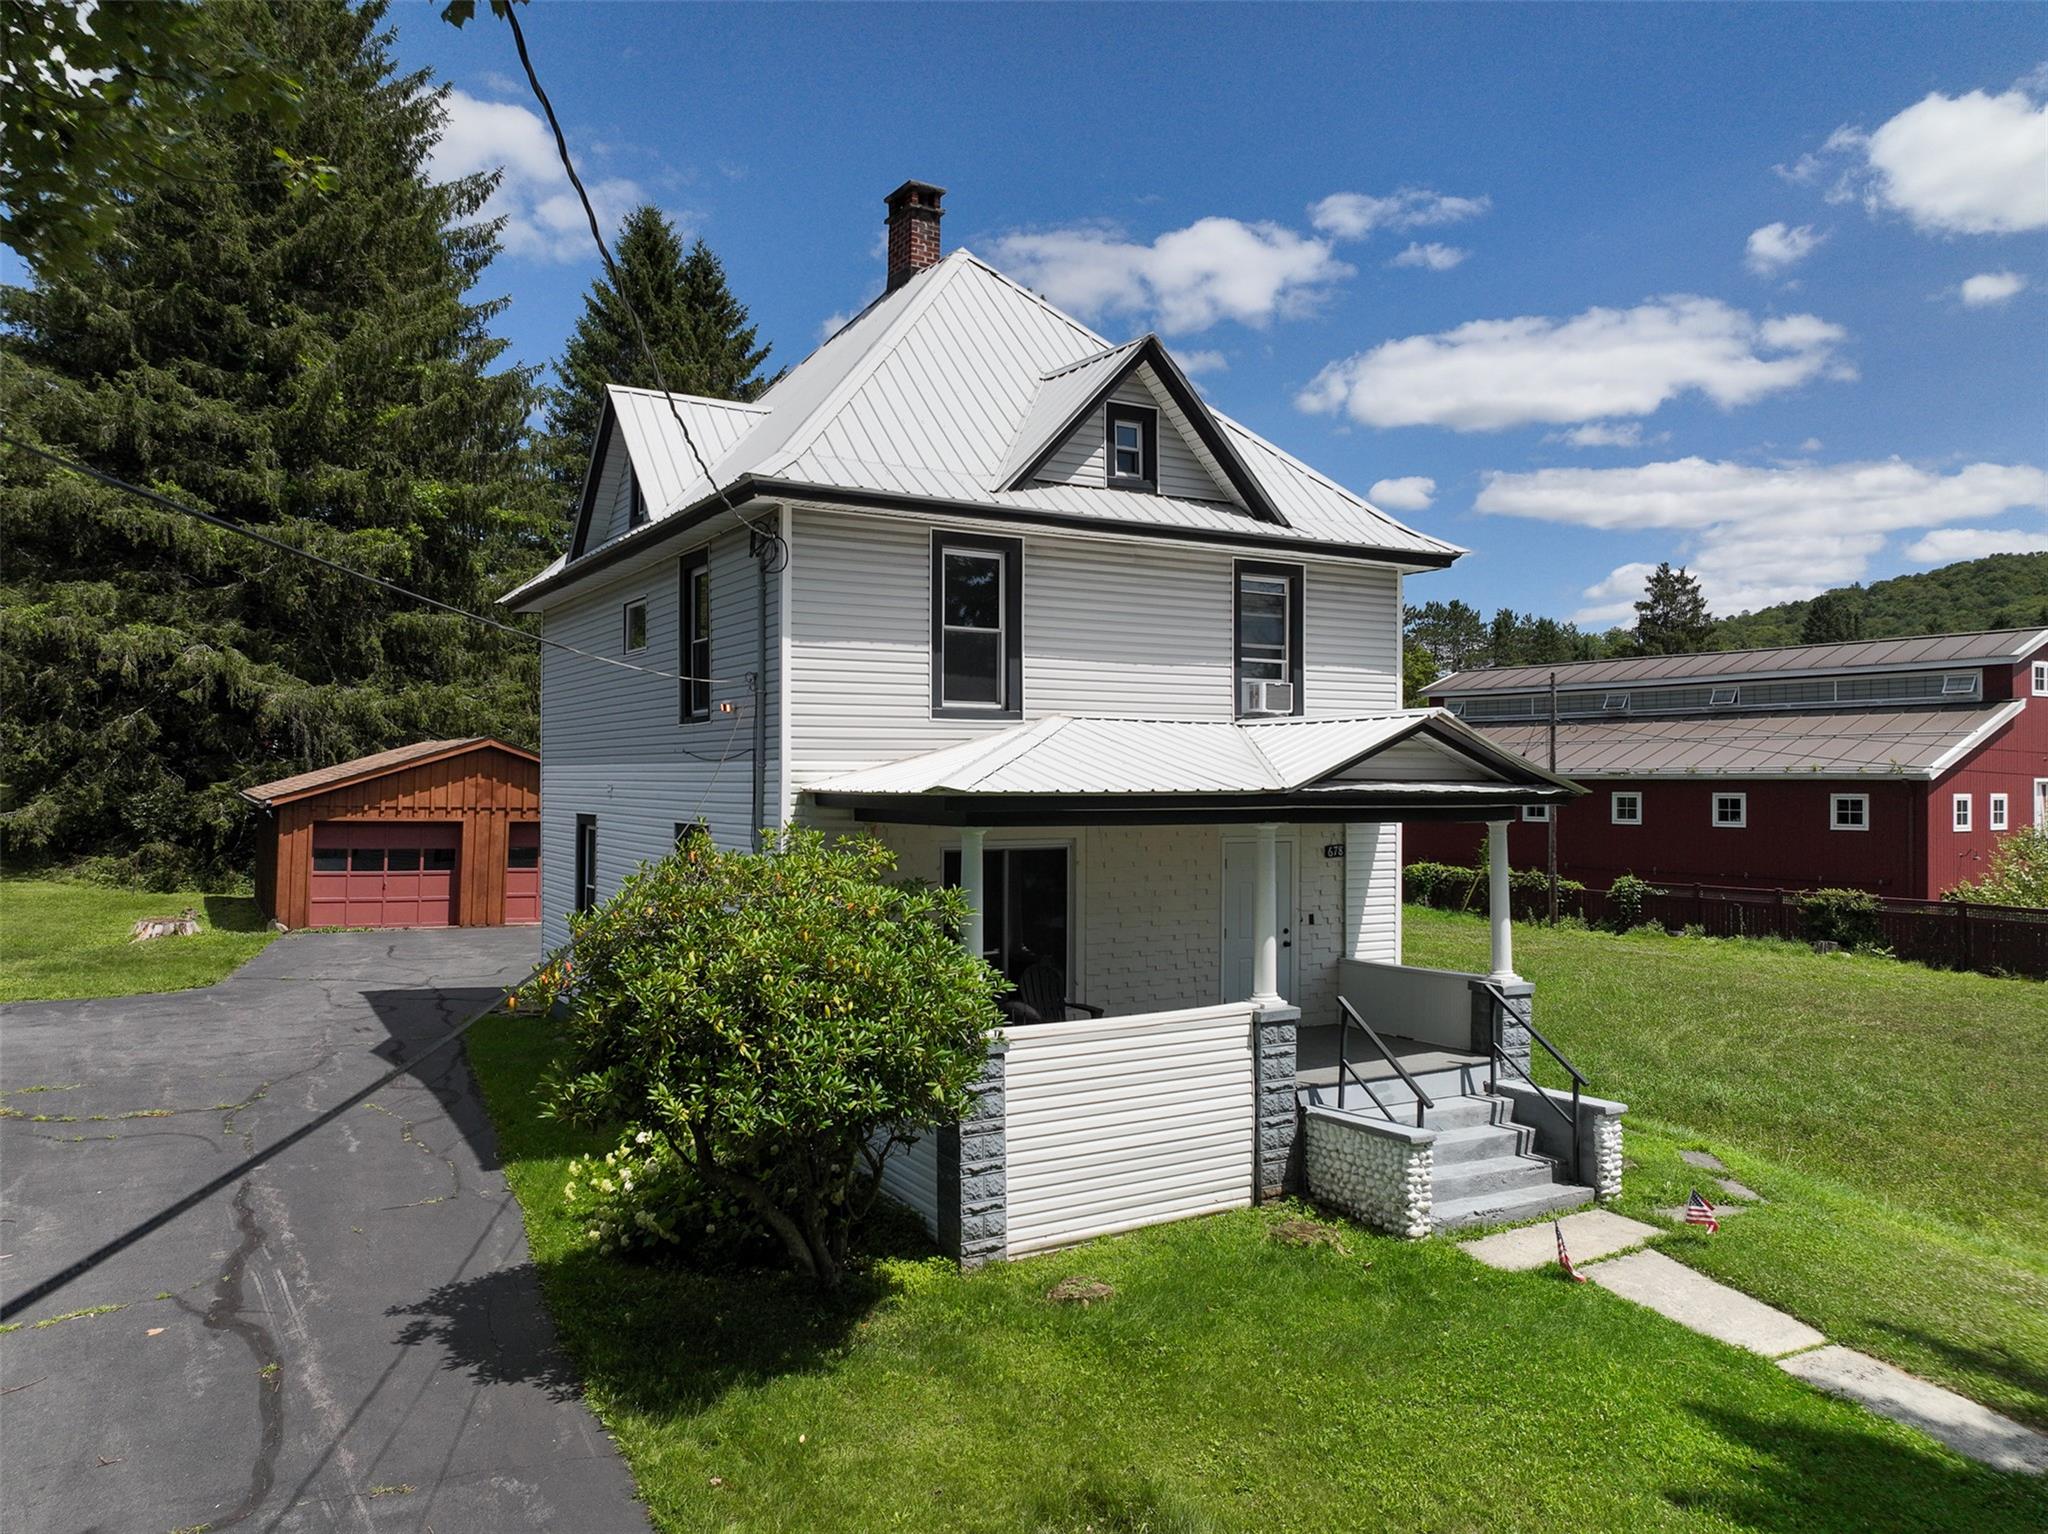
{"x":1414,"y":764}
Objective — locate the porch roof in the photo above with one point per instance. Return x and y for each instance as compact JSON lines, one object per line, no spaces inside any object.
{"x":1409,"y":764}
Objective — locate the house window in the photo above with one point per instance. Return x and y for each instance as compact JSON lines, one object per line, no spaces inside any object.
{"x":636,"y":505}
{"x":1268,"y":626}
{"x":1999,"y":819}
{"x":692,"y":833}
{"x":636,"y":625}
{"x":693,"y":639}
{"x":1731,"y":810}
{"x":1626,"y":809}
{"x":977,"y":626}
{"x":1959,"y":812}
{"x":2041,"y":678}
{"x":1536,"y":812}
{"x":1133,"y":447}
{"x":1849,"y":812}
{"x":586,"y":862}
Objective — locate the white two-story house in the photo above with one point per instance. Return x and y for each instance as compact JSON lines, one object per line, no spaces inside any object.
{"x":1019,"y":601}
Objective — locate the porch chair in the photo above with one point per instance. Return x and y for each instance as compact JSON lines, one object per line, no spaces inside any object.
{"x":1041,"y":996}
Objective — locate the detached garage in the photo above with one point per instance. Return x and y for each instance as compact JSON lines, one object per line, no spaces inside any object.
{"x":443,"y":833}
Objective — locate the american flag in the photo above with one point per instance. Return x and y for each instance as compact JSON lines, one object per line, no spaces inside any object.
{"x":1699,"y":1212}
{"x":1564,"y":1258}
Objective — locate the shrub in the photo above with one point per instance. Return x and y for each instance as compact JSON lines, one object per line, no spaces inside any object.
{"x":641,"y":1198}
{"x":1452,"y":888}
{"x":1625,"y":897}
{"x":2017,"y":875}
{"x":1848,"y":917}
{"x":781,"y":1021}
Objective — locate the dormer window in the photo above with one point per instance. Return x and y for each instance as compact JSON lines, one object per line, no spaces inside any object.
{"x":636,"y":509}
{"x":1133,"y":448}
{"x":1614,"y":703}
{"x":1959,"y":684}
{"x":1724,"y":697}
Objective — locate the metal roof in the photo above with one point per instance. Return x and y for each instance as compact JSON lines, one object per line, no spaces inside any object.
{"x":373,"y":765}
{"x":1993,"y":647}
{"x":1078,"y":755}
{"x":1911,"y":743}
{"x":928,"y":393}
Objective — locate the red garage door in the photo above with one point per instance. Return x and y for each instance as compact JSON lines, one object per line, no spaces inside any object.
{"x":522,"y":873}
{"x":395,"y":874}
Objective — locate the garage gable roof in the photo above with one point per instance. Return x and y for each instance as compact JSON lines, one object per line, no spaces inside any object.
{"x":299,"y":785}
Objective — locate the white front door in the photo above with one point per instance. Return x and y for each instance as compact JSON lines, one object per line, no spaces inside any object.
{"x":1239,"y":859}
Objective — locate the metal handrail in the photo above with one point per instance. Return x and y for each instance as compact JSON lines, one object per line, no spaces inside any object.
{"x":1347,"y":1015}
{"x":1501,"y":1056}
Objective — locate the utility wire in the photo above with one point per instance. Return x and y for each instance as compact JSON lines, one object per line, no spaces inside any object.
{"x":215,"y":519}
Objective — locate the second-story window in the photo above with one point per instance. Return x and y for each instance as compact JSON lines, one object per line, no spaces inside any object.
{"x":636,"y":625}
{"x":977,"y":626}
{"x":693,"y":642}
{"x":1267,"y":651}
{"x":636,"y":506}
{"x":1133,"y":447}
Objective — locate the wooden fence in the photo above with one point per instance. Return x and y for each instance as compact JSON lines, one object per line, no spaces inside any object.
{"x":1948,"y":934}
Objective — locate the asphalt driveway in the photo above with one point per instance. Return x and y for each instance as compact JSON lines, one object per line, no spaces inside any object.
{"x":349,"y":1336}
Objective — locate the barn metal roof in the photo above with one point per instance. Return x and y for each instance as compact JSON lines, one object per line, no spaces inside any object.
{"x":927,"y":394}
{"x":1904,"y":743}
{"x":1997,"y":646}
{"x":1067,"y":754}
{"x":374,"y":765}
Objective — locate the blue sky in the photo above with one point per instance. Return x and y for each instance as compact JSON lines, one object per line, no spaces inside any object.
{"x":1763,"y":290}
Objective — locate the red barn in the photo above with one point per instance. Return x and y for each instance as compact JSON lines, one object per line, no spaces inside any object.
{"x":1891,"y":765}
{"x":441,"y":833}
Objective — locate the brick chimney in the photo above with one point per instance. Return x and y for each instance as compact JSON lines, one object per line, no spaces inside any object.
{"x":913,"y":230}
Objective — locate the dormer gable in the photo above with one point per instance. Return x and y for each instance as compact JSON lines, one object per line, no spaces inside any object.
{"x":1128,"y":419}
{"x":613,"y":502}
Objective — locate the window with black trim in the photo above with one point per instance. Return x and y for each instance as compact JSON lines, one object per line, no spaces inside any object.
{"x":1266,"y":620}
{"x":636,"y":507}
{"x":1133,"y":447}
{"x":977,"y":626}
{"x":586,"y":862}
{"x":693,"y":640}
{"x":691,"y":833}
{"x":636,"y":624}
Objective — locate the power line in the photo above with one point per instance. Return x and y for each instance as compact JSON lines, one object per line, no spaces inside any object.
{"x":215,"y":519}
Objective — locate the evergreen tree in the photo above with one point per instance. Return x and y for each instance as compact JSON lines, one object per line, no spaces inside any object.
{"x":1833,"y":617}
{"x":697,"y":330}
{"x":1452,"y":634}
{"x":311,"y":366}
{"x":1672,"y":618}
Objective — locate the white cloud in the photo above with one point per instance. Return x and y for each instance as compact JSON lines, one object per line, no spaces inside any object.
{"x":543,"y":219}
{"x":1612,"y":598}
{"x":1198,"y":362}
{"x":1810,"y":445}
{"x":1757,"y":535}
{"x":1215,"y":269}
{"x":1438,"y":258}
{"x":1969,"y":164}
{"x":1600,"y":434}
{"x":1988,"y":288}
{"x":1947,"y":545}
{"x":833,"y":323}
{"x":1488,"y":375}
{"x":1776,"y":246}
{"x":1353,"y":215}
{"x":1412,"y":493}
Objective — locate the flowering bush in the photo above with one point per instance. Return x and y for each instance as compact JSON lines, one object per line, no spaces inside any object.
{"x":641,"y":1199}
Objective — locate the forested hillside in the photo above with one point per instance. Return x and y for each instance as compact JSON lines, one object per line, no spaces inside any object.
{"x":1996,"y":592}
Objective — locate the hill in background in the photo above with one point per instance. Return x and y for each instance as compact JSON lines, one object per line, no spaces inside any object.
{"x":1999,"y":591}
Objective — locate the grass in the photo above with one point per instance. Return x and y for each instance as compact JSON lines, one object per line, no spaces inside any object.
{"x":1231,"y":1382}
{"x":1888,"y":1112}
{"x":63,"y":942}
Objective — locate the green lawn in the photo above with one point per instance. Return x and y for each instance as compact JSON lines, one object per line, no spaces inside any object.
{"x":64,"y":941}
{"x":1890,"y":1113}
{"x":1232,"y":1382}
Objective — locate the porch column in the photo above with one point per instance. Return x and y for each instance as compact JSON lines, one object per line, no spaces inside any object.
{"x":971,"y":887}
{"x":1497,"y":902}
{"x":1266,"y":918}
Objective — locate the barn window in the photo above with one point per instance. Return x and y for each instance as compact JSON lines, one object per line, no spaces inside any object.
{"x":1999,"y":819}
{"x":1959,"y":684}
{"x":1731,"y":810}
{"x":1539,"y":812}
{"x":1959,"y":812}
{"x":2041,"y":678}
{"x":1627,"y":809}
{"x":1849,"y":812}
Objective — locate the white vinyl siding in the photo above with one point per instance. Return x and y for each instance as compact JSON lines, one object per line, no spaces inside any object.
{"x":1416,"y":761}
{"x":1372,"y":893}
{"x":1107,"y":630}
{"x":610,"y":743}
{"x":911,"y":1177}
{"x":611,"y":515}
{"x":1124,"y":1122}
{"x":1185,"y":466}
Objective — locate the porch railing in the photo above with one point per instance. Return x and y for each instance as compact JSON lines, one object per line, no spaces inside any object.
{"x":1347,"y":1019}
{"x":1501,"y":1057}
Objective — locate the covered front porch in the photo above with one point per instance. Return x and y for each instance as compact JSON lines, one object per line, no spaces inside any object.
{"x":1198,"y":920}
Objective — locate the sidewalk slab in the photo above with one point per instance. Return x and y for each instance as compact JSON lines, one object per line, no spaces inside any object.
{"x":1706,"y":1161}
{"x":1972,"y":1430}
{"x":1693,"y":1300}
{"x":1588,"y":1235}
{"x":1733,"y":1189}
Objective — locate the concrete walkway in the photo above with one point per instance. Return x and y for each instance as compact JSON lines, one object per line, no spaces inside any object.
{"x":1693,"y":1300}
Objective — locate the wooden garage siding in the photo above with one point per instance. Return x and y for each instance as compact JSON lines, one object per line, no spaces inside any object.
{"x":482,"y":790}
{"x":1122,"y":1122}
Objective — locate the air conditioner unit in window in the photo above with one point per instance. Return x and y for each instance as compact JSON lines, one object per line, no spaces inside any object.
{"x":1268,"y":697}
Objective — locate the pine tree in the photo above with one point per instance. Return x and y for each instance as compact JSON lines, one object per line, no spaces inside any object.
{"x":698,"y":331}
{"x":312,"y":366}
{"x":1833,"y":617}
{"x":1672,"y":618}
